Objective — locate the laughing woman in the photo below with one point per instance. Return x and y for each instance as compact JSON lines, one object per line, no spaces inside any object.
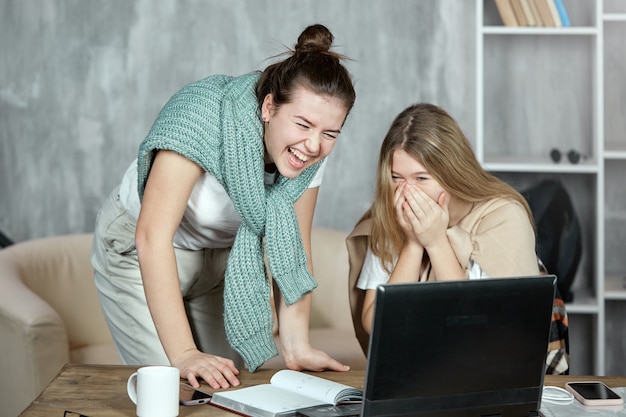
{"x":230,"y":162}
{"x":437,"y":214}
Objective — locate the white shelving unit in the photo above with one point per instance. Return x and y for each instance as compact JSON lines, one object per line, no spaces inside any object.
{"x":615,"y":152}
{"x":613,"y":22}
{"x":558,"y":76}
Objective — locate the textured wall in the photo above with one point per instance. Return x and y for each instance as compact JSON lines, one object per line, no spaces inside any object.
{"x":82,"y":81}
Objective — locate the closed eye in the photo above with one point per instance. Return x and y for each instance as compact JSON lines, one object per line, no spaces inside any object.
{"x":418,"y":178}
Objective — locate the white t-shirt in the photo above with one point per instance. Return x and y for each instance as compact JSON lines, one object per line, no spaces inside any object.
{"x":210,"y":220}
{"x":372,"y":272}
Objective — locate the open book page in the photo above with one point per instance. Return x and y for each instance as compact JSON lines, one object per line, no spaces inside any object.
{"x":325,"y":390}
{"x":263,"y":401}
{"x":287,"y":392}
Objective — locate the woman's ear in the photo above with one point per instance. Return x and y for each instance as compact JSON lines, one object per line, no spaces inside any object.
{"x":443,"y":199}
{"x":267,"y":109}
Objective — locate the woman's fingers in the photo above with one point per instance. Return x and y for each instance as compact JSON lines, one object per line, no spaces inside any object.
{"x":216,"y":371}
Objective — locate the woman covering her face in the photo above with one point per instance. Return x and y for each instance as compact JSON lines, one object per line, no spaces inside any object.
{"x":437,"y":214}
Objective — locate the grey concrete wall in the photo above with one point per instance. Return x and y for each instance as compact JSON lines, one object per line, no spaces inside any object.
{"x":81,"y":82}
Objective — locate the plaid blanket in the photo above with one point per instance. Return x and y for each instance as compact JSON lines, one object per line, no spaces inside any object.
{"x":557,"y":361}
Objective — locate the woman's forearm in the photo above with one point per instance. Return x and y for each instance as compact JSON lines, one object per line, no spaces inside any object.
{"x":409,"y":264}
{"x":293,"y":325}
{"x":407,"y":269}
{"x":445,"y":264}
{"x":162,"y":290}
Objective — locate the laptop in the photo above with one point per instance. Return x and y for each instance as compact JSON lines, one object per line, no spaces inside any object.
{"x":458,"y":348}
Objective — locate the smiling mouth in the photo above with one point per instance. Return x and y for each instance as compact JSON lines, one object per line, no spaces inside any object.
{"x":297,"y":157}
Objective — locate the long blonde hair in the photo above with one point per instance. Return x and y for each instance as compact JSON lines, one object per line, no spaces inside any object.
{"x":431,"y":136}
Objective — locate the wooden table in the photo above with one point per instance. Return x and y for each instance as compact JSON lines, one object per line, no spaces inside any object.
{"x":100,"y":391}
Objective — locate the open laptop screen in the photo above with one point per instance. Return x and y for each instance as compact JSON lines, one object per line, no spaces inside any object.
{"x":456,"y":348}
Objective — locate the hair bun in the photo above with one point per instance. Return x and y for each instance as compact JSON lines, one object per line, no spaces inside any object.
{"x":315,"y":38}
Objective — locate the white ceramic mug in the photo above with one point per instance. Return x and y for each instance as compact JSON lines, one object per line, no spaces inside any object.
{"x":155,"y":389}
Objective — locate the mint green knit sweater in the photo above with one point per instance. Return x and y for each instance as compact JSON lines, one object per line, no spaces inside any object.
{"x":215,"y":122}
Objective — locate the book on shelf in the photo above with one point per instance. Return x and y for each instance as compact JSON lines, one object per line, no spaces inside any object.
{"x":543,"y":9}
{"x":532,"y":4}
{"x":519,"y":12}
{"x":554,"y":12}
{"x":539,"y":16}
{"x":528,"y":13}
{"x":287,"y":392}
{"x":536,"y":13}
{"x":560,"y":6}
{"x":505,"y":10}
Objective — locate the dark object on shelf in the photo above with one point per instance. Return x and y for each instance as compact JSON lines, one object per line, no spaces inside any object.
{"x":5,"y":241}
{"x":573,"y":156}
{"x":559,"y":238}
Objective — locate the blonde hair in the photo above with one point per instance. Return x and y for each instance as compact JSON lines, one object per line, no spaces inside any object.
{"x":431,"y":136}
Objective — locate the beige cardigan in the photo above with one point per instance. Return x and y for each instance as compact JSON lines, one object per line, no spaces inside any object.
{"x":496,"y":234}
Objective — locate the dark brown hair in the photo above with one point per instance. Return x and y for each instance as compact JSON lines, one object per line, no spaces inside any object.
{"x":312,"y":65}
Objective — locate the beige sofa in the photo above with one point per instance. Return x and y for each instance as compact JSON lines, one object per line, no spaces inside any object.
{"x":50,"y":314}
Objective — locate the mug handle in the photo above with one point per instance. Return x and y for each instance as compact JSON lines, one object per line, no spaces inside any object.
{"x":131,"y":387}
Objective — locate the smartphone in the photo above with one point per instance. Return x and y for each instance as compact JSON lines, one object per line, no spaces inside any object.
{"x":191,"y":396}
{"x":593,"y":393}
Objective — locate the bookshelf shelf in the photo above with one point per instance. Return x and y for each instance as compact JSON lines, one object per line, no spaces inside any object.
{"x":615,"y":155}
{"x":544,"y":87}
{"x":510,"y":165}
{"x":614,"y":17}
{"x":567,"y":31}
